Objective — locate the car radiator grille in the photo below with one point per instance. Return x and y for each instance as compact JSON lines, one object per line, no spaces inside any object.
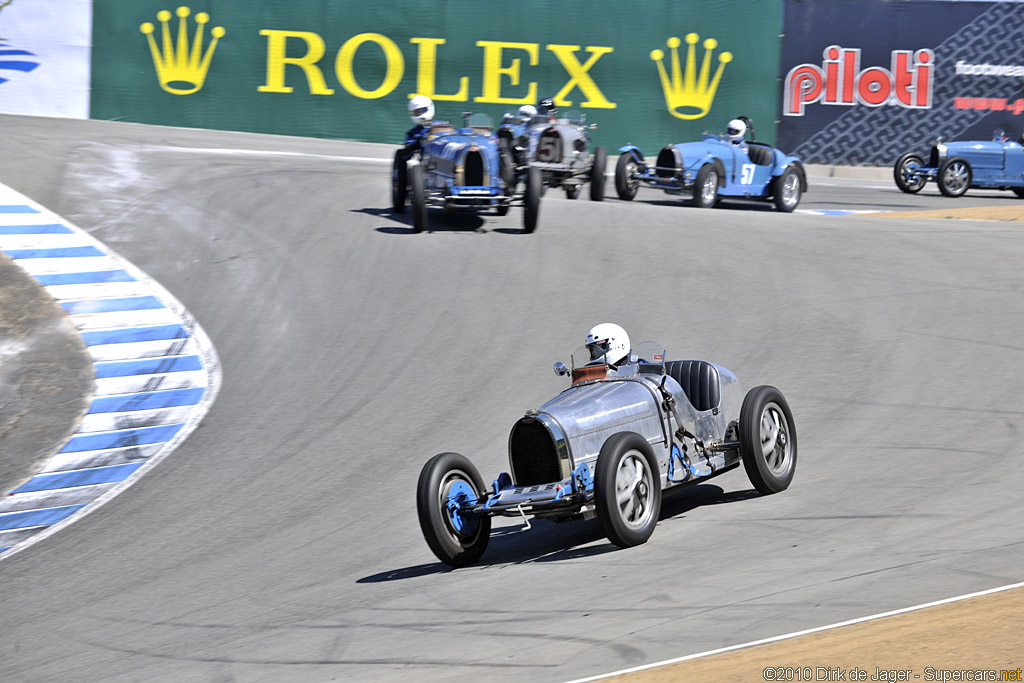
{"x":474,"y":169}
{"x":933,"y":158}
{"x":532,"y":454}
{"x":666,"y":161}
{"x":549,"y":147}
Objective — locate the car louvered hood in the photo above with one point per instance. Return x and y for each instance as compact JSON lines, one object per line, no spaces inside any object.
{"x":589,"y":413}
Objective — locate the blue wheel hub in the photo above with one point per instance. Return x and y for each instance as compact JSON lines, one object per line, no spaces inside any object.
{"x":460,"y":497}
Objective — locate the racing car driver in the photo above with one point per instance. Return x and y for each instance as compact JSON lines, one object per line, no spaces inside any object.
{"x":608,"y":343}
{"x":421,"y":111}
{"x":736,"y":131}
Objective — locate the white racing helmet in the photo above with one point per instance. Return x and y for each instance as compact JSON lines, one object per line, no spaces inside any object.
{"x":736,"y":131}
{"x":527,"y":112}
{"x":607,"y":342}
{"x":421,"y":109}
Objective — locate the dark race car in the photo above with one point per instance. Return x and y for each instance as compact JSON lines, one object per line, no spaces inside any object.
{"x":996,"y":164}
{"x":715,"y":168}
{"x":461,"y":169}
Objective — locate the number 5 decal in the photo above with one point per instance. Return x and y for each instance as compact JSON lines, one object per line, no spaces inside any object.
{"x":747,"y":174}
{"x":549,"y":149}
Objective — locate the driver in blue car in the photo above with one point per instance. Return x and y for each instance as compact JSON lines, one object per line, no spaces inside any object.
{"x":609,"y":344}
{"x":736,"y":132}
{"x":421,"y":111}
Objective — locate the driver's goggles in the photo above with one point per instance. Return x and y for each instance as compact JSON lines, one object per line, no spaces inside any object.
{"x":598,"y":349}
{"x":419,"y":111}
{"x":733,"y":131}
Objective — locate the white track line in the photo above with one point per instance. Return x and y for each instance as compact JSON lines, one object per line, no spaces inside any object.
{"x":797,"y":634}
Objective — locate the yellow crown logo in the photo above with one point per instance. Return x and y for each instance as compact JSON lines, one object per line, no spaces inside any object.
{"x":181,"y":70}
{"x":690,"y":97}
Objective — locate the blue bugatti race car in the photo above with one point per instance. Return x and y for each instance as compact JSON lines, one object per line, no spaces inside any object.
{"x":717,"y":167}
{"x":996,"y":164}
{"x":461,"y":169}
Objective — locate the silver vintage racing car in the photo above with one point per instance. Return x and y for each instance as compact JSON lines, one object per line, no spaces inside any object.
{"x":558,"y":147}
{"x":607,"y":446}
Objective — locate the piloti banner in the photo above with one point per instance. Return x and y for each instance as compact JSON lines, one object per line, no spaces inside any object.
{"x":865,"y":80}
{"x":649,"y":73}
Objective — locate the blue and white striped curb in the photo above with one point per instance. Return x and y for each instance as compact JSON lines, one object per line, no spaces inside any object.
{"x":838,"y":212}
{"x":157,"y":372}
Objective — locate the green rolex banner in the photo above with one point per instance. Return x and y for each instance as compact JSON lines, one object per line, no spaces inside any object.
{"x":658,"y":72}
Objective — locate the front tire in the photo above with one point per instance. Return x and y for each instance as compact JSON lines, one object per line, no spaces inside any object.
{"x":419,"y":198}
{"x":954,"y":177}
{"x":904,"y":166}
{"x":626,"y":184}
{"x":508,"y":173}
{"x":705,"y":187}
{"x":767,"y":439}
{"x":447,"y":482}
{"x":531,"y":202}
{"x":597,"y":174}
{"x":627,"y":489}
{"x":786,"y":191}
{"x":399,"y":182}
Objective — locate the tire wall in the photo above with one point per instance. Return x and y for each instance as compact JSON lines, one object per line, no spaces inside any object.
{"x":863,"y":81}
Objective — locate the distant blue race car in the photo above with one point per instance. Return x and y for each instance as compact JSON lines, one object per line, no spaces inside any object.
{"x":713,"y":169}
{"x":996,"y":164}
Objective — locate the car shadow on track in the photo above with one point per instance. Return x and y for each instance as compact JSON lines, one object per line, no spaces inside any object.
{"x":437,"y":221}
{"x":723,"y":204}
{"x":547,"y":541}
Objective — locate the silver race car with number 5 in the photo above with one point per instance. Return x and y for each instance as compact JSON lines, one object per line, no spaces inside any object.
{"x":608,"y":446}
{"x":557,"y":147}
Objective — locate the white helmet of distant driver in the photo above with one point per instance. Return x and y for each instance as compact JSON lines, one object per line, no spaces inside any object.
{"x":607,"y":342}
{"x":421,"y":109}
{"x":736,"y":131}
{"x":527,"y":112}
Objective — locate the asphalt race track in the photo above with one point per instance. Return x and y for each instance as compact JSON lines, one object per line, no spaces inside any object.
{"x":280,"y":542}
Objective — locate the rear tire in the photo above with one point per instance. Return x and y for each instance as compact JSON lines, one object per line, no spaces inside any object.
{"x":419,"y":198}
{"x":531,"y":201}
{"x":625,"y":184}
{"x":767,"y":439}
{"x":627,"y":489}
{"x":705,"y":187}
{"x":597,"y":174}
{"x":904,"y":165}
{"x":399,"y":182}
{"x":456,"y":538}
